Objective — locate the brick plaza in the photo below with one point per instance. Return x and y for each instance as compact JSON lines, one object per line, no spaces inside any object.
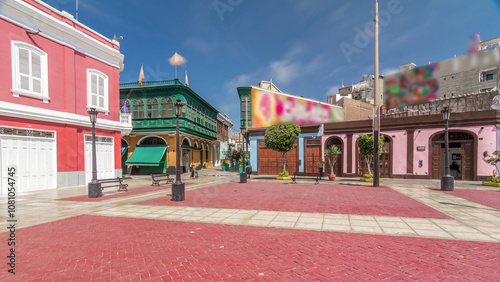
{"x":264,"y":230}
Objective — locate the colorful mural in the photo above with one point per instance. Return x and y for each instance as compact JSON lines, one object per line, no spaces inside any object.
{"x":411,"y":86}
{"x":270,"y":108}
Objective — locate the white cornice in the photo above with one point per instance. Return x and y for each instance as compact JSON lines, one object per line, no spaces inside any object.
{"x":34,"y":113}
{"x":28,"y":17}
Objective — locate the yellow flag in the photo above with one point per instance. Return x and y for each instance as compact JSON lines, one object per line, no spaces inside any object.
{"x":186,"y":82}
{"x":141,"y":75}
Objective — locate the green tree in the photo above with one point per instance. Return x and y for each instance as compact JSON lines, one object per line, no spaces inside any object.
{"x":366,"y":149}
{"x":281,"y":138}
{"x":331,"y":155}
{"x":493,"y":160}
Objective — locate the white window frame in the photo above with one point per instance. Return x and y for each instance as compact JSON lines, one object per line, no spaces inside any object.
{"x":104,"y":109}
{"x":44,"y":71}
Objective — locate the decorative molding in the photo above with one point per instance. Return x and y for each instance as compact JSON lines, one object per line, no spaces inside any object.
{"x":99,"y":139}
{"x":27,"y":132}
{"x":34,"y":113}
{"x":454,"y":136}
{"x":29,"y":17}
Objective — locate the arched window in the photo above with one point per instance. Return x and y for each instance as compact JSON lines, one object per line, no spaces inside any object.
{"x":167,"y":108}
{"x":138,"y":109}
{"x":152,"y":108}
{"x":30,"y":71}
{"x":97,"y":90}
{"x":153,"y":140}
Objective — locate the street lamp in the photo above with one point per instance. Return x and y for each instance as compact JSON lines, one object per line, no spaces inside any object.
{"x":178,"y":186}
{"x":94,"y":188}
{"x":446,"y":179}
{"x":243,"y":174}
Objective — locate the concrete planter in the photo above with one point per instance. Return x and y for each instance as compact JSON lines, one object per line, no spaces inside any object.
{"x":283,"y":178}
{"x":370,"y":180}
{"x":491,"y":184}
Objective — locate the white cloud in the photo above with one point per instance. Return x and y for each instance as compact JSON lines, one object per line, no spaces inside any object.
{"x":388,"y":71}
{"x":333,"y":90}
{"x":240,"y":80}
{"x":284,"y":71}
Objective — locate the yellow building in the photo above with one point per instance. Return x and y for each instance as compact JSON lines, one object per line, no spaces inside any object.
{"x":151,"y":146}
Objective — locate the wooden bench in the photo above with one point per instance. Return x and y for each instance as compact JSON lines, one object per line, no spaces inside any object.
{"x":306,"y":175}
{"x":161,"y":177}
{"x":113,"y":182}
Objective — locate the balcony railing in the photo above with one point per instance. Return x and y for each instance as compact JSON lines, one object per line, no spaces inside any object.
{"x":151,"y":83}
{"x":126,"y":119}
{"x":462,"y":103}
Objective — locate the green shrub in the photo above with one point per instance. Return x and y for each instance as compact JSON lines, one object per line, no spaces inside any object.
{"x":283,"y":173}
{"x":494,"y":179}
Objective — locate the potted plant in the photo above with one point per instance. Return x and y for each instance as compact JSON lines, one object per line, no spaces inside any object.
{"x":493,"y":180}
{"x":331,"y":154}
{"x":208,"y":164}
{"x":366,"y":150}
{"x":283,"y":175}
{"x":224,"y":165}
{"x":240,"y":164}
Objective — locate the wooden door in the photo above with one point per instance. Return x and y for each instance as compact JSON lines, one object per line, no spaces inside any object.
{"x":467,"y":161}
{"x":269,"y":161}
{"x":436,"y":161}
{"x":385,"y":160}
{"x":313,"y":156}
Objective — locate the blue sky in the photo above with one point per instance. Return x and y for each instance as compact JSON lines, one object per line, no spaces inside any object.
{"x":307,"y":47}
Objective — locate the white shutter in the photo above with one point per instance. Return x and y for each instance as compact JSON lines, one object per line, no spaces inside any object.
{"x":36,"y":65}
{"x":101,"y":92}
{"x":24,"y":61}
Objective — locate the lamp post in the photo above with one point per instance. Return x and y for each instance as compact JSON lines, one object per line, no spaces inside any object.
{"x":178,"y":186}
{"x":94,"y":187}
{"x":447,"y":181}
{"x":243,"y":175}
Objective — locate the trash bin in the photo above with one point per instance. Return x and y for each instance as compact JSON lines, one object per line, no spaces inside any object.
{"x":249,"y":170}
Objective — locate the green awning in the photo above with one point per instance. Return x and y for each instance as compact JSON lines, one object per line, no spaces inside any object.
{"x":124,"y":150}
{"x":147,"y":156}
{"x":190,"y":148}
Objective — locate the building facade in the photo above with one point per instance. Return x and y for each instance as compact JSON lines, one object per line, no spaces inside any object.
{"x":151,"y":146}
{"x":224,"y":137}
{"x":54,"y":69}
{"x":263,"y":107}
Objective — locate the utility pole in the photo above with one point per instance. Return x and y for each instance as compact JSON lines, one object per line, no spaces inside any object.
{"x":376,"y":117}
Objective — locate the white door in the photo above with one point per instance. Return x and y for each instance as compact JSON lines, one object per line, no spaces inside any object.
{"x":35,"y":160}
{"x":105,"y":157}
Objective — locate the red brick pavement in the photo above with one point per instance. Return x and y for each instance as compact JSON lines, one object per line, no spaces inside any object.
{"x":102,"y":248}
{"x":488,"y":198}
{"x":331,"y":198}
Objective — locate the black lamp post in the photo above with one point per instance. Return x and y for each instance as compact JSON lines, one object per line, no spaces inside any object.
{"x":94,"y":190}
{"x":447,"y":180}
{"x":243,"y":174}
{"x":178,"y":186}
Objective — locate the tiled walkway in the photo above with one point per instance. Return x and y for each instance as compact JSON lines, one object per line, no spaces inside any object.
{"x":118,"y":239}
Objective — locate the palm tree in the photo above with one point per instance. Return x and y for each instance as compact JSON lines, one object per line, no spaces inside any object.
{"x":331,"y":155}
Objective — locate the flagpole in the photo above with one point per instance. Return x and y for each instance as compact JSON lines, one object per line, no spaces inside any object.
{"x":376,"y":118}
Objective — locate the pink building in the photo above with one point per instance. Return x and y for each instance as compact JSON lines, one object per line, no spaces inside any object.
{"x":414,"y":145}
{"x":55,"y":68}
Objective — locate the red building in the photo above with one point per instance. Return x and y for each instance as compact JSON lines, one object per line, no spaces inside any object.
{"x":53,"y":69}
